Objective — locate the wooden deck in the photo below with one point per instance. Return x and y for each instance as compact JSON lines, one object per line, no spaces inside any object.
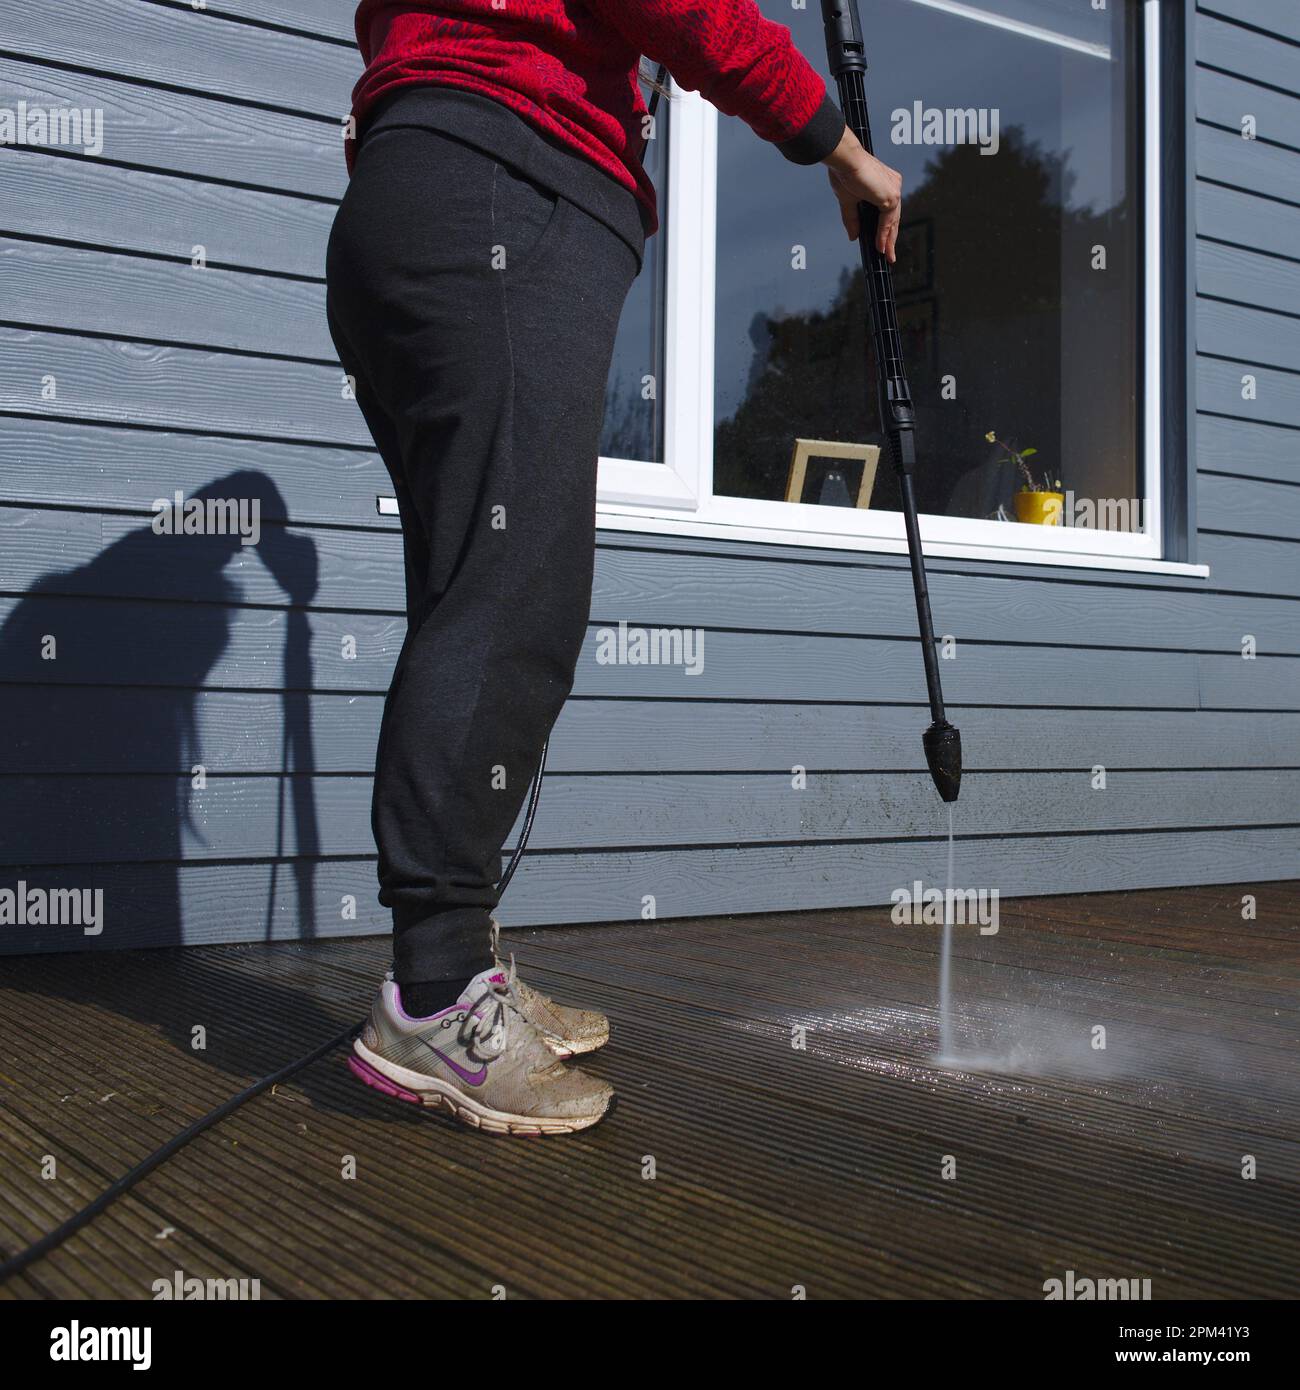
{"x":773,"y":1166}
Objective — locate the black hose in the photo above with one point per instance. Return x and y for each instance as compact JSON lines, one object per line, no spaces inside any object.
{"x":527,"y":828}
{"x":128,"y":1180}
{"x":659,"y":85}
{"x":15,"y":1263}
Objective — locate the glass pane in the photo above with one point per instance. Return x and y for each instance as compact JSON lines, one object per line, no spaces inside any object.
{"x":634,"y":392}
{"x":1018,"y":272}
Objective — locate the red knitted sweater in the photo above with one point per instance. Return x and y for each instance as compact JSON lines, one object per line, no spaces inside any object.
{"x":569,"y":67}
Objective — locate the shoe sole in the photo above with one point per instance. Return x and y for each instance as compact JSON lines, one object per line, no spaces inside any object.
{"x":417,"y":1089}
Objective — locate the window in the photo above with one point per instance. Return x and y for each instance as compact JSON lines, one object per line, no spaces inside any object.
{"x":633,"y":427}
{"x":1027,"y":283}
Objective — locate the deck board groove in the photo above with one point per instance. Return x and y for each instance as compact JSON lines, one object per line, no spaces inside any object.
{"x":775,"y":1167}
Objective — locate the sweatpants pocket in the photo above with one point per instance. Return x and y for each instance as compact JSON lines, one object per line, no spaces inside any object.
{"x":527,"y":219}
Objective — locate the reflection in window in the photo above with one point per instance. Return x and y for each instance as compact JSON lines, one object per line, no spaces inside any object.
{"x":1018,"y":269}
{"x":633,"y":426}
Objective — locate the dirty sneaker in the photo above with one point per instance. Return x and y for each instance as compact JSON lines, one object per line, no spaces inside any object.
{"x":481,"y":1060}
{"x":565,"y":1031}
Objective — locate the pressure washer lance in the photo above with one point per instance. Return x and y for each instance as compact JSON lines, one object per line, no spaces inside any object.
{"x":15,"y":1263}
{"x":846,"y":53}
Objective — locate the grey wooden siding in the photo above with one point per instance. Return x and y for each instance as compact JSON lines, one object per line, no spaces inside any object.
{"x":221,"y":132}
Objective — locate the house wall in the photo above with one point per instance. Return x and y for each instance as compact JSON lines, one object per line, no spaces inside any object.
{"x":222,"y":133}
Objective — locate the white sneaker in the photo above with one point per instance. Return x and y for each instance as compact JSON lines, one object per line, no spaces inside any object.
{"x":482,"y":1059}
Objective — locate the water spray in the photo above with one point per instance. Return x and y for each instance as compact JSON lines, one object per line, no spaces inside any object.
{"x":846,"y":53}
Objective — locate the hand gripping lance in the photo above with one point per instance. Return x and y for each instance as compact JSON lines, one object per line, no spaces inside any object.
{"x":847,"y":55}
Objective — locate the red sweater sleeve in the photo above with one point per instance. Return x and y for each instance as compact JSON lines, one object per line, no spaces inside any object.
{"x":745,"y":64}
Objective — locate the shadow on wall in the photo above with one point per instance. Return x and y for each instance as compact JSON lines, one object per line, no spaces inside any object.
{"x":101,"y":668}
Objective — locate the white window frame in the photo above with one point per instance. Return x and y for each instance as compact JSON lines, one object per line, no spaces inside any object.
{"x":676,"y":485}
{"x":676,"y":497}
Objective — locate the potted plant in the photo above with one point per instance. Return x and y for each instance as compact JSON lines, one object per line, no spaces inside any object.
{"x":1039,"y":501}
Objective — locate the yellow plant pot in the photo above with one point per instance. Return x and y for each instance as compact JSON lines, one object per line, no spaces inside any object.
{"x":1040,"y":508}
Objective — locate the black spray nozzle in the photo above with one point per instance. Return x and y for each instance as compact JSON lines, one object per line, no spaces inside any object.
{"x":943,"y":754}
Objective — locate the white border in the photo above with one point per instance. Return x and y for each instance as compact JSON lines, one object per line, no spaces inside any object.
{"x":1152,"y":382}
{"x":615,"y":520}
{"x":687,"y":389}
{"x":1018,"y":26}
{"x":676,"y":497}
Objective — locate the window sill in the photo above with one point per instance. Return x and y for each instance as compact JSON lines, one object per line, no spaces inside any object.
{"x":611,"y":517}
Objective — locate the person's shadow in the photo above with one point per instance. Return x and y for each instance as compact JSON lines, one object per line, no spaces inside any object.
{"x":102,"y":668}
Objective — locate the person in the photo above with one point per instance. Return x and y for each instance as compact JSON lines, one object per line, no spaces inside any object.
{"x":494,"y":221}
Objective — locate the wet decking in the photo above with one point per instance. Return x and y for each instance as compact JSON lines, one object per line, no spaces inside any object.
{"x":736,"y":1163}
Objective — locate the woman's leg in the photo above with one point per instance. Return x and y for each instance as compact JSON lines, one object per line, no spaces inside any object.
{"x":481,"y":312}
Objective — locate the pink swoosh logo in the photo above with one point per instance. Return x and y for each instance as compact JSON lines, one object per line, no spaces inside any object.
{"x":469,"y":1078}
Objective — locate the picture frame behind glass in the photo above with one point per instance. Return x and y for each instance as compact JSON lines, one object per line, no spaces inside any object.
{"x":830,"y":473}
